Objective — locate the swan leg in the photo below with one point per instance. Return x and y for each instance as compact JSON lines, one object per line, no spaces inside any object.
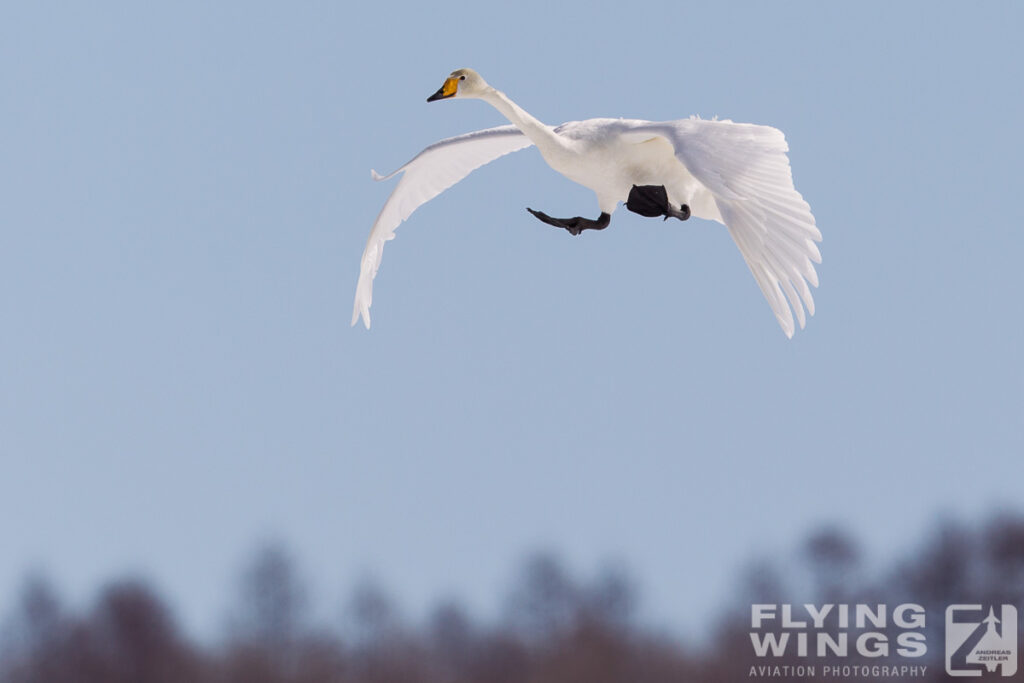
{"x":574,"y":225}
{"x":652,"y":200}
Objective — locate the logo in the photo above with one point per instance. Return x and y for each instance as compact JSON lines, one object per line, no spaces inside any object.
{"x":980,"y":640}
{"x":838,"y":641}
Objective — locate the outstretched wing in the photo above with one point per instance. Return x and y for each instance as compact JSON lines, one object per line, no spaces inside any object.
{"x":746,"y":168}
{"x":430,"y":173}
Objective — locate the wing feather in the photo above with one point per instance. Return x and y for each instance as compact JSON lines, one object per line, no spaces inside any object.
{"x":746,"y":169}
{"x":427,"y":175}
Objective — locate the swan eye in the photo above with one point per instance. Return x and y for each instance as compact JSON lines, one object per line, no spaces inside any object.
{"x":462,"y":78}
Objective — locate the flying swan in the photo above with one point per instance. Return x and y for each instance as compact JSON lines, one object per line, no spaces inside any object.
{"x":734,"y":173}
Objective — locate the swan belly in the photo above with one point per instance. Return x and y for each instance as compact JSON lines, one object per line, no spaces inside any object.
{"x":612,"y":167}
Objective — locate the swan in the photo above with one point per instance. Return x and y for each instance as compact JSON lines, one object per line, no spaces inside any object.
{"x":737,"y":174}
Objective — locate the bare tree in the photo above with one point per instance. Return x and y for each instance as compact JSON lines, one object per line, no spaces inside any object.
{"x":834,"y":559}
{"x":38,"y":631}
{"x":268,"y":622}
{"x":544,"y":603}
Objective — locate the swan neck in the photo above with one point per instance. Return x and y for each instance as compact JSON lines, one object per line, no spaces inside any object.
{"x":541,"y":134}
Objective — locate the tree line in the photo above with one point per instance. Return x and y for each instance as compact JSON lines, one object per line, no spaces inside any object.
{"x":558,"y":627}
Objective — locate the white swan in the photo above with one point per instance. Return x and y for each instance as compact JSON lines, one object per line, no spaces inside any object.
{"x":734,"y":173}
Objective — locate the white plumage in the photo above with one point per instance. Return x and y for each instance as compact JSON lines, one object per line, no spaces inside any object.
{"x":735,"y":173}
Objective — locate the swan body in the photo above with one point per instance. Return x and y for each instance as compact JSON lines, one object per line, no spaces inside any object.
{"x":734,"y":173}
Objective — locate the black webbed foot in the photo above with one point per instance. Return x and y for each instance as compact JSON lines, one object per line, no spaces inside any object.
{"x":574,"y":225}
{"x":652,"y":200}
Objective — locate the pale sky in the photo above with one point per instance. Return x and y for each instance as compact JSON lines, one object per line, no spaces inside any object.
{"x":185,"y":197}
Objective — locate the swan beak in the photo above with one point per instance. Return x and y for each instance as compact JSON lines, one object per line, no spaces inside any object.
{"x":447,"y":90}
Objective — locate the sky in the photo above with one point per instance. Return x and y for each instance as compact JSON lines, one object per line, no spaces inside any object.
{"x":185,"y":193}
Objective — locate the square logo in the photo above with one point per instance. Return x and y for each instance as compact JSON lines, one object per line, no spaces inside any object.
{"x":981,"y":640}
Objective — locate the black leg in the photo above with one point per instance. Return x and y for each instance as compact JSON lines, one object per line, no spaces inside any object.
{"x":652,"y":200}
{"x":574,"y":225}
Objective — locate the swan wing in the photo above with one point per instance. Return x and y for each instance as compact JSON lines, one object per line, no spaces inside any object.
{"x":430,"y":173}
{"x":746,"y":169}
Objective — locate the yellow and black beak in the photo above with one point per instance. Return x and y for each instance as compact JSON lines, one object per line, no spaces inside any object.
{"x":450,"y":87}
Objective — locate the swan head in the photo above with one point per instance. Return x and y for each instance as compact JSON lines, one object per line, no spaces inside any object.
{"x":461,"y":83}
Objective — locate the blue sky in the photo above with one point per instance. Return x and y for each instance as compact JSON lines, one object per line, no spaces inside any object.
{"x":185,"y":196}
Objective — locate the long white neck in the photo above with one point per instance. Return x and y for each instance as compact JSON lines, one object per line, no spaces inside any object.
{"x":542,"y":135}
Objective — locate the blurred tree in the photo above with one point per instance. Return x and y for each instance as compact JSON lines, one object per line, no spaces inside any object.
{"x":39,"y":630}
{"x":834,"y":560}
{"x":370,"y":614}
{"x":556,"y":627}
{"x":941,"y":569}
{"x":268,"y":625}
{"x":500,"y":657}
{"x":453,"y":641}
{"x":130,"y":637}
{"x":544,"y":603}
{"x":1004,"y":540}
{"x":384,"y":650}
{"x":612,"y":598}
{"x":272,"y":602}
